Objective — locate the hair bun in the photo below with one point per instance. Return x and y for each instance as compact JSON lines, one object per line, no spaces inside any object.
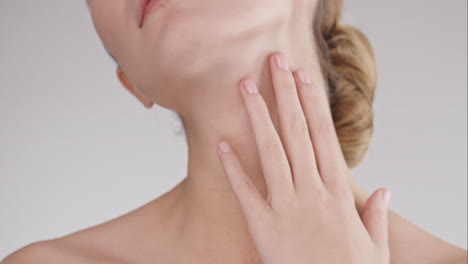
{"x":352,"y":87}
{"x":348,"y":63}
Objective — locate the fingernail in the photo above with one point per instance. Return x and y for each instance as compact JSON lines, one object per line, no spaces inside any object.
{"x":386,"y":196}
{"x":250,"y":87}
{"x":304,"y":76}
{"x":224,"y":147}
{"x":281,"y":61}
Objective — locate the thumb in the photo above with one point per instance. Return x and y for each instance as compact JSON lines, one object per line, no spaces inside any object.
{"x":375,"y":216}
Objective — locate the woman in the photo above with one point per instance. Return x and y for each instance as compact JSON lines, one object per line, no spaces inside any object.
{"x":193,"y":57}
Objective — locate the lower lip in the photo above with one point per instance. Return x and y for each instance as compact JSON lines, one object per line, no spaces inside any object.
{"x":147,"y":7}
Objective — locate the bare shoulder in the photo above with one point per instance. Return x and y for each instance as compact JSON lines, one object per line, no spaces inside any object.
{"x":40,"y":252}
{"x":61,"y":250}
{"x":116,"y":241}
{"x":121,"y":240}
{"x":90,"y":245}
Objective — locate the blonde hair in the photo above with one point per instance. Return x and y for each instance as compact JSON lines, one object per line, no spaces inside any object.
{"x":348,"y":64}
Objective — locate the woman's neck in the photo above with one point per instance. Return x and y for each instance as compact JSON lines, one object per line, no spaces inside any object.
{"x":210,"y":211}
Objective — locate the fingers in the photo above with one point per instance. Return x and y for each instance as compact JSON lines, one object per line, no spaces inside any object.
{"x":375,"y":217}
{"x":293,"y":125}
{"x":330,"y":160}
{"x":308,"y":150}
{"x":272,"y":155}
{"x":251,"y":202}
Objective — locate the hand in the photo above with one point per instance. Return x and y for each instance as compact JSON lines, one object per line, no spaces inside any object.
{"x":309,"y":215}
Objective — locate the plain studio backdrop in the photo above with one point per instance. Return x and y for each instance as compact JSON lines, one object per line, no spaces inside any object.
{"x":76,"y":149}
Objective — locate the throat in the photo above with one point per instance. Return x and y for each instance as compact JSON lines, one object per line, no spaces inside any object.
{"x":211,"y":226}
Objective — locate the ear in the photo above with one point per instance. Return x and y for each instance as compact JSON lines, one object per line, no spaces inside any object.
{"x":126,"y":83}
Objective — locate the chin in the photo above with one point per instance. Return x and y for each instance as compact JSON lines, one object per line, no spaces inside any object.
{"x":182,"y":44}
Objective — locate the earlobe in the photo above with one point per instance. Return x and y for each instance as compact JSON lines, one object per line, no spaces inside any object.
{"x":126,"y":83}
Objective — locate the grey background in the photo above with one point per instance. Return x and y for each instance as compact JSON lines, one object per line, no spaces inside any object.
{"x":77,"y":150}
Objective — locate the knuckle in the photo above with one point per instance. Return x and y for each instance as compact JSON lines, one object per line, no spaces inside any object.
{"x":270,"y":146}
{"x":294,"y":205}
{"x":260,"y":224}
{"x":288,"y":208}
{"x":321,"y":197}
{"x":379,"y":215}
{"x":256,"y":103}
{"x":343,"y":192}
{"x":325,"y":126}
{"x":376,"y":215}
{"x":297,"y":125}
{"x":285,"y":82}
{"x":309,"y":95}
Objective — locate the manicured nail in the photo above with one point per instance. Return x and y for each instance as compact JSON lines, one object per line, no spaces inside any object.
{"x":386,"y":196}
{"x":250,"y":87}
{"x":224,"y":147}
{"x":304,"y":76}
{"x":281,"y":61}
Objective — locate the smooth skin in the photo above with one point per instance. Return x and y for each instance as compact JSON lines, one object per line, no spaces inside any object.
{"x":189,"y":57}
{"x":300,"y":220}
{"x":310,"y":206}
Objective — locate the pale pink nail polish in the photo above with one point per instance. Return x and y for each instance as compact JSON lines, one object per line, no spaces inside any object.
{"x":386,"y":196}
{"x":224,"y":147}
{"x":281,"y":61}
{"x":304,"y":76}
{"x":250,"y":87}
